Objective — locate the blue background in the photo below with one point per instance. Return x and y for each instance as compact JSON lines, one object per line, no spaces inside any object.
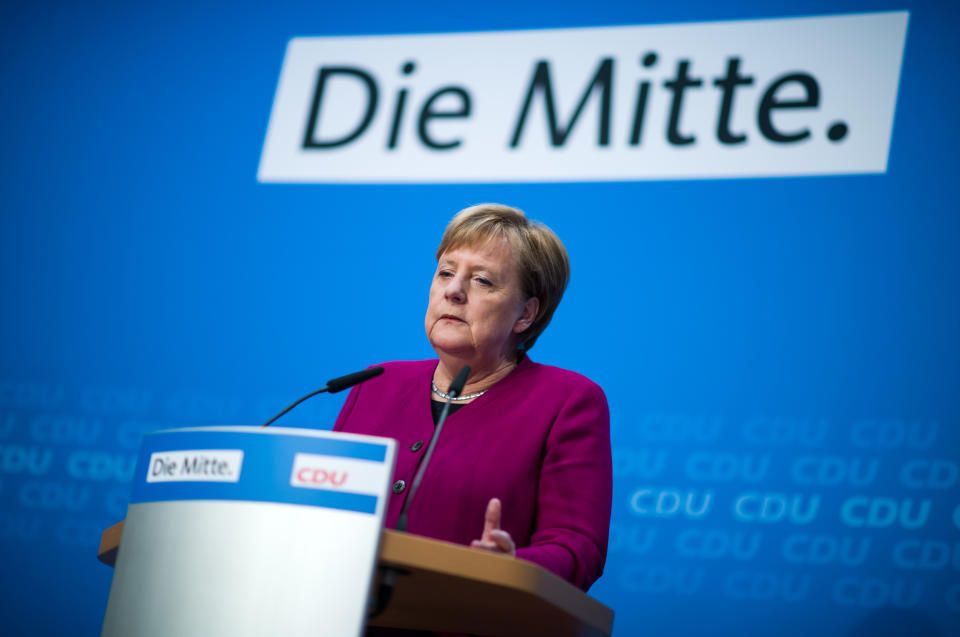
{"x":148,"y":281}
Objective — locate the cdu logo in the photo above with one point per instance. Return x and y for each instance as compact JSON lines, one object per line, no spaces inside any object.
{"x":337,"y":473}
{"x":319,"y":476}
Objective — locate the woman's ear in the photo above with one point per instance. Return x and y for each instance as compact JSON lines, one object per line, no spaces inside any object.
{"x":528,"y":315}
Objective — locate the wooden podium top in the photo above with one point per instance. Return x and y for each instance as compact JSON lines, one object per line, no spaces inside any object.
{"x":451,"y":588}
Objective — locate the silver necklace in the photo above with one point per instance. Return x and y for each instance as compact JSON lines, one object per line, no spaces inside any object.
{"x":436,"y":390}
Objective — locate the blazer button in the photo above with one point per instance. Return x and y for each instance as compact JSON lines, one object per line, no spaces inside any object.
{"x":399,"y":486}
{"x":416,"y":446}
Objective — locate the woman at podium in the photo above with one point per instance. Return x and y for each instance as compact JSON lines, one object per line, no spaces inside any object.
{"x":522,"y":466}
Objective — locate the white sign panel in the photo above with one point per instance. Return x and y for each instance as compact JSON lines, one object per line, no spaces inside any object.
{"x":200,"y":465}
{"x":797,"y":96}
{"x":313,"y":471}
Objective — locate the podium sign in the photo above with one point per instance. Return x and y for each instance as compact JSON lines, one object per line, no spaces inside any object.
{"x":249,"y":531}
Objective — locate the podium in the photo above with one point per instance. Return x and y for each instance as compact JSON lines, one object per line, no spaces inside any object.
{"x":444,"y":587}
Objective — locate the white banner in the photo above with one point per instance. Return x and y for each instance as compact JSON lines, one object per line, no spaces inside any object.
{"x":797,"y":96}
{"x":336,"y":473}
{"x":200,"y":465}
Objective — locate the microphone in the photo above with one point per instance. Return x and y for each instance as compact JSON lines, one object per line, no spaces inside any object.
{"x":333,"y":386}
{"x":348,"y":381}
{"x":388,"y":574}
{"x":456,"y":388}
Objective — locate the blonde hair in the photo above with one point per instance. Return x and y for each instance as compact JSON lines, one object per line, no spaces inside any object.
{"x":542,"y":262}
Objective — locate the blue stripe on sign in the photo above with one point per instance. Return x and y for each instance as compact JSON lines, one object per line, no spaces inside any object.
{"x":264,"y":474}
{"x":181,"y":491}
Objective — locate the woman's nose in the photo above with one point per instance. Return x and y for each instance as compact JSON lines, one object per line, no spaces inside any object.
{"x":455,"y":290}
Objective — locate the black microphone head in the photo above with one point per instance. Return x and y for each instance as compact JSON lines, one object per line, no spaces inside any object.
{"x":348,"y":381}
{"x":456,"y":387}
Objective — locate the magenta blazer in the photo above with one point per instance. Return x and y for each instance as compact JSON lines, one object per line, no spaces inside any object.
{"x":539,"y":440}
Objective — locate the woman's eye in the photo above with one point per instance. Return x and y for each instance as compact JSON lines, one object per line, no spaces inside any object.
{"x":444,"y":274}
{"x":483,"y":281}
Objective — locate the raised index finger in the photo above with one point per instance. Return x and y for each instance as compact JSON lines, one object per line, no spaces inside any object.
{"x":491,"y":520}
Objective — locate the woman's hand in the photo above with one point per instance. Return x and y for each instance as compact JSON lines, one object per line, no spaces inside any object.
{"x":494,"y":538}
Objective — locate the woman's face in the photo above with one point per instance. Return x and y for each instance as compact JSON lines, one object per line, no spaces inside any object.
{"x":476,"y":305}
